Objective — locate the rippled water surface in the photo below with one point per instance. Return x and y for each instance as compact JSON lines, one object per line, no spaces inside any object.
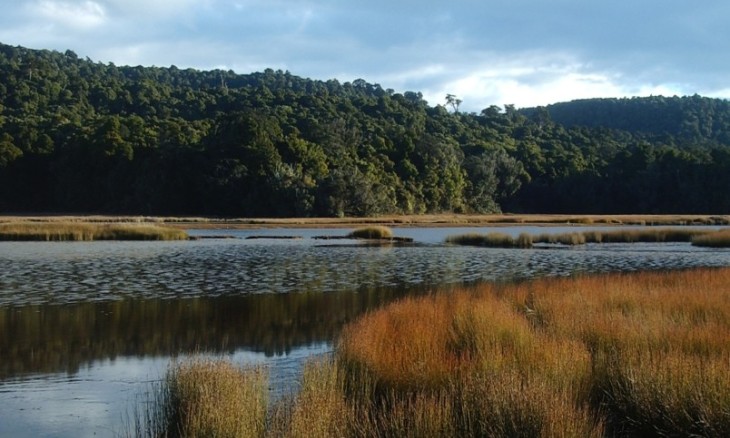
{"x":84,"y":327}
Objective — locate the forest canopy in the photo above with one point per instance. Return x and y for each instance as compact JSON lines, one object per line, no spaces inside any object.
{"x":78,"y":136}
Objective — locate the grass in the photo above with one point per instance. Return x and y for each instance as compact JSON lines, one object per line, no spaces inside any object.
{"x":650,"y":234}
{"x":431,"y":220}
{"x":492,"y":240}
{"x":205,"y":397}
{"x":78,"y":231}
{"x":718,"y":239}
{"x":633,"y":355}
{"x":372,"y":232}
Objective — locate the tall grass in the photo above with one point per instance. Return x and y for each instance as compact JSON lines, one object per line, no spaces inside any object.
{"x":73,"y":231}
{"x":633,"y":355}
{"x":318,"y":408}
{"x":492,"y":240}
{"x":205,"y":397}
{"x":718,"y":239}
{"x":630,"y":355}
{"x":651,"y":235}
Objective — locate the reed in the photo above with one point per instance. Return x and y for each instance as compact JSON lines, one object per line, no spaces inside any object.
{"x":492,"y":240}
{"x":73,"y":231}
{"x":614,"y":354}
{"x":608,"y":355}
{"x":651,"y":235}
{"x":718,"y":239}
{"x":372,"y":232}
{"x":318,"y":408}
{"x":215,"y":398}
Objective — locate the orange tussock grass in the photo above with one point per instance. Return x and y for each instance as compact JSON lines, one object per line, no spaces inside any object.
{"x":631,"y":353}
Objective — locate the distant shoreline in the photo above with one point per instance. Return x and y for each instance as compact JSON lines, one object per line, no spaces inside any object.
{"x":426,"y":220}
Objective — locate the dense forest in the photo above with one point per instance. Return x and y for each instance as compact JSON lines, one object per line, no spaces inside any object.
{"x":78,"y":136}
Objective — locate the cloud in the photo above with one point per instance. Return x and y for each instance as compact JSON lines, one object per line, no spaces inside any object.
{"x":74,"y":15}
{"x":524,"y":52}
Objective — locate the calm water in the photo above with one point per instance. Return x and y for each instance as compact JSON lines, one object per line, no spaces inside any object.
{"x":85,"y":327}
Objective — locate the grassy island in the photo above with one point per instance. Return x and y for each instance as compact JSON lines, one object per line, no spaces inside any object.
{"x":85,"y":231}
{"x":697,"y":237}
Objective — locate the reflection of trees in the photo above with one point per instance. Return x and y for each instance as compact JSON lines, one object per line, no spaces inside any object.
{"x":55,"y":338}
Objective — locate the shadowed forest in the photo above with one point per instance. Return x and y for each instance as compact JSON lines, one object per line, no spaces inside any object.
{"x":78,"y":136}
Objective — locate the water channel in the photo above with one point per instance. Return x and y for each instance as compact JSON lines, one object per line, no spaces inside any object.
{"x":86,"y":328}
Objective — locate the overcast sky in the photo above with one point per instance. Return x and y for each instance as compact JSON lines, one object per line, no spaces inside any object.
{"x":489,"y":52}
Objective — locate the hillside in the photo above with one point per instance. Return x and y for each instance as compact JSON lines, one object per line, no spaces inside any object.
{"x":689,"y":118}
{"x":78,"y":136}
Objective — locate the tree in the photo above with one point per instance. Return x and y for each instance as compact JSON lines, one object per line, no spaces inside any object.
{"x":453,"y":102}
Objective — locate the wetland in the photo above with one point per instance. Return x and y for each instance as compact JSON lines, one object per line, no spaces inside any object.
{"x":86,"y":326}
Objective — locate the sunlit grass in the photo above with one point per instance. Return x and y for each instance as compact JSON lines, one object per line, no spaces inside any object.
{"x":491,"y":240}
{"x":78,"y":231}
{"x":718,"y":239}
{"x":643,"y":354}
{"x":372,"y":232}
{"x":647,"y":235}
{"x":207,"y":398}
{"x":627,"y":354}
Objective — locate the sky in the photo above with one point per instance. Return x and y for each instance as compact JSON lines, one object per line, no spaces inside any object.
{"x":489,"y":52}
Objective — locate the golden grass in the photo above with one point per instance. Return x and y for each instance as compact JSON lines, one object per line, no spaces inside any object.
{"x":372,"y":232}
{"x":643,"y":354}
{"x":73,"y":231}
{"x":615,"y":354}
{"x":318,"y":408}
{"x":215,"y":398}
{"x":492,"y":240}
{"x":649,"y":234}
{"x":430,"y":220}
{"x":718,"y":239}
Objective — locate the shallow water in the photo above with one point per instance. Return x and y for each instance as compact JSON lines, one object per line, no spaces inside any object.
{"x":84,"y":327}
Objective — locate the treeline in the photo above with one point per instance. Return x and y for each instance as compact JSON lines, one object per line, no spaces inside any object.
{"x":83,"y":137}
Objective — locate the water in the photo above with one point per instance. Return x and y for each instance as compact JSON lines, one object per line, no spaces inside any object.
{"x":85,"y":327}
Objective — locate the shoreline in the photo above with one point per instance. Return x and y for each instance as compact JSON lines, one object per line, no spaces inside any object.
{"x":426,"y":220}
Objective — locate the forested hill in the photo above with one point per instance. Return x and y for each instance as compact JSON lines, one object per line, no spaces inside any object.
{"x":689,"y":118}
{"x":78,"y":136}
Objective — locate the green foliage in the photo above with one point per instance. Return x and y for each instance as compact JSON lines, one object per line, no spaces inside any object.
{"x":79,"y":136}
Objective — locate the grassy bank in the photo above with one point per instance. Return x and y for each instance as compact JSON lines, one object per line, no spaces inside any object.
{"x":698,"y":237}
{"x":611,"y":355}
{"x":425,"y":220}
{"x":80,"y":231}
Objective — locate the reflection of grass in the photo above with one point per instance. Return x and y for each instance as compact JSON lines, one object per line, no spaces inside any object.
{"x":67,"y":231}
{"x":372,"y":232}
{"x":718,"y":239}
{"x":625,"y":354}
{"x":651,"y":235}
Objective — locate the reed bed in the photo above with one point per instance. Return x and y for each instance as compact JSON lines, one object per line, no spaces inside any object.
{"x":372,"y":232}
{"x":718,"y":239}
{"x":205,"y":397}
{"x":631,"y":355}
{"x":491,"y":240}
{"x":650,"y":235}
{"x":78,"y":231}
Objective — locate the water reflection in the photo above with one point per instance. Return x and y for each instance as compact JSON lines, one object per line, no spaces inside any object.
{"x":65,"y":338}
